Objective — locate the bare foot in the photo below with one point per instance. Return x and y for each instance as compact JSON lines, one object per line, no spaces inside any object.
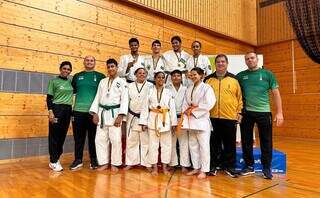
{"x":166,"y":171}
{"x":103,"y":167}
{"x":184,"y":170}
{"x":154,"y":171}
{"x":127,"y":168}
{"x":202,"y":175}
{"x":193,"y":172}
{"x":149,"y":169}
{"x":114,"y":169}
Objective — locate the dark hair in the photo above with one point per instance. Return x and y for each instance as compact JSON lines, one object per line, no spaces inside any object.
{"x":156,"y":41}
{"x":136,"y":71}
{"x":197,"y":42}
{"x":112,"y":60}
{"x":176,"y":71}
{"x":176,"y":38}
{"x":221,"y":56}
{"x":132,"y":40}
{"x":159,"y":72}
{"x":198,"y":70}
{"x":65,"y":63}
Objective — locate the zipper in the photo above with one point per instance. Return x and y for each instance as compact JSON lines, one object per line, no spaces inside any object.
{"x":219,"y":98}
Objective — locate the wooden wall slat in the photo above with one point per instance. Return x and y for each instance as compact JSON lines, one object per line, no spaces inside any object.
{"x":198,"y":12}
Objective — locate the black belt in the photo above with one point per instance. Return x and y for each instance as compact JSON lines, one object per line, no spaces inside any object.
{"x":134,"y":114}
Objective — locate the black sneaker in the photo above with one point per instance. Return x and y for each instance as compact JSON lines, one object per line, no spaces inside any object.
{"x":93,"y":164}
{"x":76,"y":164}
{"x":267,"y":173}
{"x":213,"y":172}
{"x":231,"y":172}
{"x":247,"y":171}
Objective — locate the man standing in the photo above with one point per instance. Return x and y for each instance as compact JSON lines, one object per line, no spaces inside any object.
{"x":108,"y":108}
{"x":85,"y":86}
{"x":256,"y":84}
{"x":224,"y":117}
{"x":154,"y":62}
{"x":130,"y":62}
{"x":176,"y":58}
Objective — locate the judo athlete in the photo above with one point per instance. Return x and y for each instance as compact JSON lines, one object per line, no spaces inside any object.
{"x":159,"y":117}
{"x":108,"y":109}
{"x":196,"y":108}
{"x":137,"y":140}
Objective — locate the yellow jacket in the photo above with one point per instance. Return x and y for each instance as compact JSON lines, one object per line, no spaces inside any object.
{"x":228,"y":94}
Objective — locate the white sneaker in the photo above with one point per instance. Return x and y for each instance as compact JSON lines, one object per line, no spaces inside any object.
{"x":56,"y":166}
{"x":59,"y":165}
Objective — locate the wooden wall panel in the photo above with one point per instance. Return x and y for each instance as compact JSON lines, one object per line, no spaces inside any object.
{"x":273,"y":24}
{"x":299,"y":80}
{"x":38,"y":35}
{"x":233,"y":18}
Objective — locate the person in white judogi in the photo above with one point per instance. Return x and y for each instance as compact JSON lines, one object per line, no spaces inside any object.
{"x":130,"y":62}
{"x":178,"y":92}
{"x":137,"y":140}
{"x":155,"y":62}
{"x":109,"y":107}
{"x":197,"y":104}
{"x":159,"y":117}
{"x":176,"y":59}
{"x":198,"y":60}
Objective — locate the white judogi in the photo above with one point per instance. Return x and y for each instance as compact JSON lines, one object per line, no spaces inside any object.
{"x":176,"y":61}
{"x":202,"y":62}
{"x":137,"y":140}
{"x":149,"y":118}
{"x":152,"y":66}
{"x":110,"y":93}
{"x":183,"y":138}
{"x":199,"y":124}
{"x":123,"y":64}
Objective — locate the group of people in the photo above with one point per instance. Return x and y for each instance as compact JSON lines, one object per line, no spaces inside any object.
{"x":174,"y":110}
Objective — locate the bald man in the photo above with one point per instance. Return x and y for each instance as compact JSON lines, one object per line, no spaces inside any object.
{"x":85,"y":85}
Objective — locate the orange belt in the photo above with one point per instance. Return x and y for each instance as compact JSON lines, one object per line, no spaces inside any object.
{"x":162,"y":111}
{"x":188,"y":112}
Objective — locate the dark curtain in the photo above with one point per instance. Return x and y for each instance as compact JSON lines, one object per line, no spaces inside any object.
{"x":305,"y":19}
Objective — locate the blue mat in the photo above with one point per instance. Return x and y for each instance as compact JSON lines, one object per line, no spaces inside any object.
{"x":279,"y":163}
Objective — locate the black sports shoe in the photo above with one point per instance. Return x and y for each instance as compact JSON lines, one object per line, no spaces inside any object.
{"x":267,"y":173}
{"x":213,"y":172}
{"x":76,"y":164}
{"x":93,"y":164}
{"x":248,"y":170}
{"x":231,"y":172}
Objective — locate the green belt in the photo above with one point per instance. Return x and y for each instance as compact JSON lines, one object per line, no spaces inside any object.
{"x":107,"y":108}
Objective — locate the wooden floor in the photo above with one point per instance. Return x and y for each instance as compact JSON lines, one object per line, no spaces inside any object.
{"x":32,"y":178}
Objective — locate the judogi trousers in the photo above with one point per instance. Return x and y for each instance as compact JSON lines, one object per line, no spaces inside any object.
{"x":184,"y":157}
{"x":199,"y":144}
{"x":165,"y":142}
{"x":137,"y":148}
{"x":106,"y":137}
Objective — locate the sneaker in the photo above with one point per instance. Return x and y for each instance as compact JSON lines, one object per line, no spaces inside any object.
{"x":93,"y":164}
{"x":231,"y":172}
{"x":267,"y":173}
{"x":213,"y":172}
{"x":76,"y":164}
{"x":247,"y":171}
{"x":56,"y":166}
{"x":59,"y":165}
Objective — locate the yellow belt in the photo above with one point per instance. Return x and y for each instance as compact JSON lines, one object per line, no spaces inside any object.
{"x":158,"y":111}
{"x":188,"y":112}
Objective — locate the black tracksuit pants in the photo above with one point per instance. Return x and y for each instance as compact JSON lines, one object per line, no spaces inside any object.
{"x":264,"y":123}
{"x":58,"y":130}
{"x":82,"y":124}
{"x":223,"y":143}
